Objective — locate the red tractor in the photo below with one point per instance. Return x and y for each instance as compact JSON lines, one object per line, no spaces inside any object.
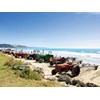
{"x":75,"y":69}
{"x":8,"y":51}
{"x":21,"y":55}
{"x":57,"y":60}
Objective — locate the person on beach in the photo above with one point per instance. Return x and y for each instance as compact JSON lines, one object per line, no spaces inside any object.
{"x":38,"y":51}
{"x":50,"y":52}
{"x":21,"y":51}
{"x":43,"y":51}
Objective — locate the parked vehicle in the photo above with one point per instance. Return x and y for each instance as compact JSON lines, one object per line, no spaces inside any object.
{"x":59,"y":68}
{"x":32,"y":56}
{"x":57,"y":60}
{"x":8,"y":51}
{"x":21,"y":55}
{"x":43,"y":58}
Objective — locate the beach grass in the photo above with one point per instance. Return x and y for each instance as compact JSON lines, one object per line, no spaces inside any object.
{"x":9,"y":79}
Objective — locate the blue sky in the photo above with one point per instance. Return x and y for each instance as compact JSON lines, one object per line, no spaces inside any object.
{"x":57,"y":30}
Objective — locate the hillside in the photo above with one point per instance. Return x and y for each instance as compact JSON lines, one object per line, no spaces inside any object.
{"x":11,"y":46}
{"x":9,"y":79}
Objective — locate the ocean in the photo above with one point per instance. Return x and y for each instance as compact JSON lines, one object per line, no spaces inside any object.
{"x":86,"y":55}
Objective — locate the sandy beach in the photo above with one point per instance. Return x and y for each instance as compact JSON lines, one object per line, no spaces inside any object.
{"x":87,"y":74}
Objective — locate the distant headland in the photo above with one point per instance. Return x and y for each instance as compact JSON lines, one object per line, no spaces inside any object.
{"x":11,"y":46}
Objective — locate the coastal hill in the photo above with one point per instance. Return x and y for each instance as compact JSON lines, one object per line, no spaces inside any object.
{"x":11,"y":46}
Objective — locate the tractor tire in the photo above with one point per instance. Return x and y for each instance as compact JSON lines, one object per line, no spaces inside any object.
{"x":30,"y":58}
{"x":51,"y":63}
{"x":41,"y":61}
{"x":15,"y":56}
{"x":54,"y":72}
{"x":75,"y":71}
{"x":37,"y":60}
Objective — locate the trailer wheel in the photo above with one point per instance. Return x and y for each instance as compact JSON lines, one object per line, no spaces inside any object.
{"x":54,"y":72}
{"x":75,"y":71}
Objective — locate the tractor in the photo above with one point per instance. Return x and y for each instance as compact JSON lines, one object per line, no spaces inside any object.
{"x":8,"y":51}
{"x":21,"y":55}
{"x":43,"y":58}
{"x":59,"y":68}
{"x":32,"y":56}
{"x":57,"y":60}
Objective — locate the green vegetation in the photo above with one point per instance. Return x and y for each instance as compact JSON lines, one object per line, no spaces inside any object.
{"x":28,"y":74}
{"x":8,"y":78}
{"x":11,"y":63}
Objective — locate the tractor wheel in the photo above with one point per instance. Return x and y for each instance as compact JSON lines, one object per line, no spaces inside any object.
{"x":30,"y":58}
{"x":75,"y":71}
{"x":54,"y":72}
{"x":41,"y":61}
{"x":51,"y":63}
{"x":16,"y":57}
{"x":45,"y":60}
{"x":37,"y":59}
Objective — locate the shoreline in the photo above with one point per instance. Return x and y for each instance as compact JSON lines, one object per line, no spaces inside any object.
{"x":87,"y":74}
{"x":86,"y":57}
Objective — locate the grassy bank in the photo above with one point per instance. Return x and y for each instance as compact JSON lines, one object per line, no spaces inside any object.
{"x":9,"y":79}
